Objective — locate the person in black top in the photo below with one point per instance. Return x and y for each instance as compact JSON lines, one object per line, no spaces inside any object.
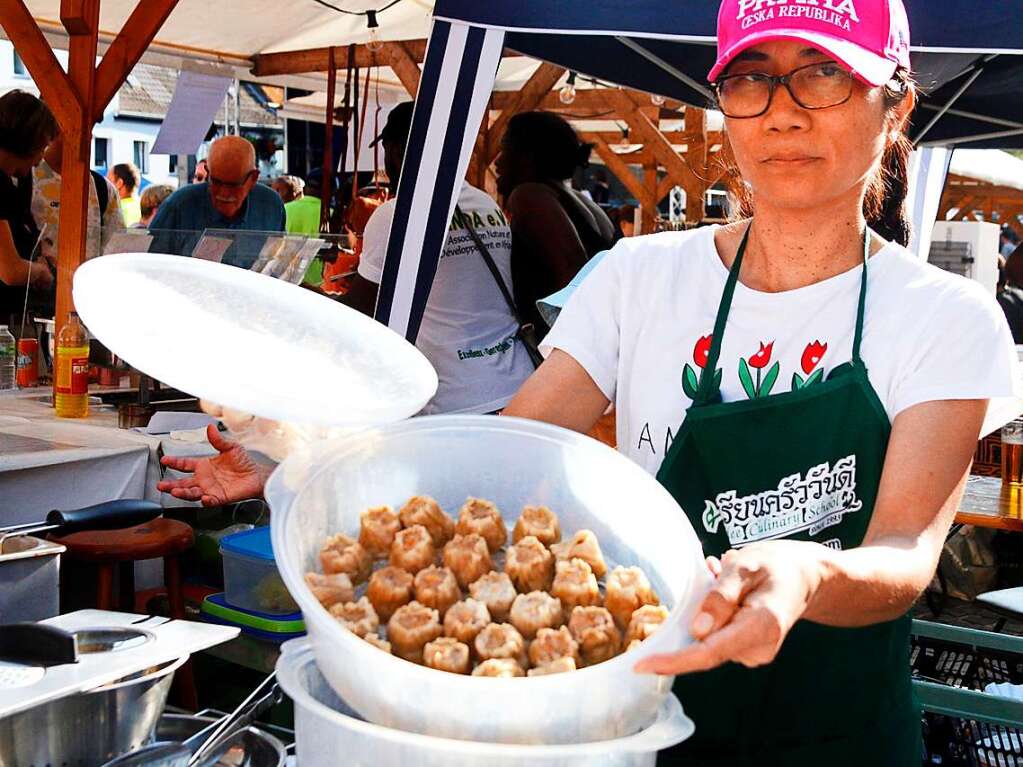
{"x":555,"y":229}
{"x":26,"y":128}
{"x":1011,"y":296}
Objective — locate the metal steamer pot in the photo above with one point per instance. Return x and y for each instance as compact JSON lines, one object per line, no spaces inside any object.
{"x":88,"y":728}
{"x":252,"y":747}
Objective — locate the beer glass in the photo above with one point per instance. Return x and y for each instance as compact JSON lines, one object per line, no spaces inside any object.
{"x":1012,"y":453}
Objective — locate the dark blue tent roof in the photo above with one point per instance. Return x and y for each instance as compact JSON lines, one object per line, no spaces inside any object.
{"x":668,"y":48}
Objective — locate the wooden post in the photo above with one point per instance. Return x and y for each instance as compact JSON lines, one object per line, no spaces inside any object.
{"x":696,"y":155}
{"x":81,"y":20}
{"x":327,"y":181}
{"x":620,"y":169}
{"x":648,"y":216}
{"x":404,"y":65}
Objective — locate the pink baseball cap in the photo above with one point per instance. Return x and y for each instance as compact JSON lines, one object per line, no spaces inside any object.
{"x":870,"y":37}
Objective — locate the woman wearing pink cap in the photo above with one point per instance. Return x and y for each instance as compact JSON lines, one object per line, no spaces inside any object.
{"x":809,"y":391}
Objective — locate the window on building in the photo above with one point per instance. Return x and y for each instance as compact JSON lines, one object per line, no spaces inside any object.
{"x":19,"y":66}
{"x":100,"y":152}
{"x":142,"y":156}
{"x":172,"y":163}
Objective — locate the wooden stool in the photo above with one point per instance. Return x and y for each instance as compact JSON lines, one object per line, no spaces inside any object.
{"x":107,"y":549}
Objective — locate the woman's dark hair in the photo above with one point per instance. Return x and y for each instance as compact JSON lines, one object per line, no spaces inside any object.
{"x":26,"y":124}
{"x":550,"y":141}
{"x":884,"y":205}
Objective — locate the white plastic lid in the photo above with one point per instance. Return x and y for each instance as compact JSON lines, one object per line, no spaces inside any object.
{"x":251,"y":342}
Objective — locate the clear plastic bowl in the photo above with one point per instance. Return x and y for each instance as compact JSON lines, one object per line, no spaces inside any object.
{"x":512,"y":462}
{"x":325,"y":727}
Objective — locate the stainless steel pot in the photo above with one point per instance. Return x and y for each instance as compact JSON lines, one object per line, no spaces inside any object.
{"x":88,"y":728}
{"x":29,"y":579}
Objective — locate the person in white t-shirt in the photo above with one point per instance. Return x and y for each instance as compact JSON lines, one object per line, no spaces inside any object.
{"x":468,"y":331}
{"x":809,"y":393}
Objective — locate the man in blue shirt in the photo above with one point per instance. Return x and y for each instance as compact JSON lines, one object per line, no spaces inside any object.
{"x":230,"y":199}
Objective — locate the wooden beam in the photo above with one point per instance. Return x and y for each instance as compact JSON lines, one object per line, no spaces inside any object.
{"x":75,"y":179}
{"x":675,"y":138}
{"x":664,"y":187}
{"x":127,"y":48}
{"x":528,"y":98}
{"x":54,"y":85}
{"x":404,"y":65}
{"x":586,"y":100}
{"x":621,"y":171}
{"x":649,"y":135}
{"x":317,"y":59}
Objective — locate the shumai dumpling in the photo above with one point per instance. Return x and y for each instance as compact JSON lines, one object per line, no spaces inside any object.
{"x":529,"y":565}
{"x":410,"y":628}
{"x":341,"y":554}
{"x":585,"y":546}
{"x":423,"y":510}
{"x":377,"y":528}
{"x":551,"y":644}
{"x":465,"y":619}
{"x":389,"y":588}
{"x":594,"y":629}
{"x":534,"y":611}
{"x":644,"y":622}
{"x":447,"y":654}
{"x":413,"y":549}
{"x":559,"y":666}
{"x":540,"y":522}
{"x":501,"y":640}
{"x":483,"y":518}
{"x":575,"y":584}
{"x":468,"y":557}
{"x":627,"y":589}
{"x":497,"y":592}
{"x":380,"y":644}
{"x":500,"y":667}
{"x":436,"y":587}
{"x":329,"y":590}
{"x":358,"y":617}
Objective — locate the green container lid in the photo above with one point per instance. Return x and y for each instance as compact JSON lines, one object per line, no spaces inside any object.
{"x":216,"y":608}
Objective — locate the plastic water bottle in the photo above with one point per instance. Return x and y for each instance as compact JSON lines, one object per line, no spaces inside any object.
{"x":72,"y":370}
{"x":8,"y":359}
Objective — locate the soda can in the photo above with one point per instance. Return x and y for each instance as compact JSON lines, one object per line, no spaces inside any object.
{"x":28,"y":363}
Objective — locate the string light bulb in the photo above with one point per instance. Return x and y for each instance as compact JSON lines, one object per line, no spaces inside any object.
{"x":567,"y":93}
{"x":657,"y":99}
{"x":374,"y":43}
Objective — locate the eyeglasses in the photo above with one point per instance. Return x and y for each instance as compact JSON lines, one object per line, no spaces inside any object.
{"x":219,"y":182}
{"x":814,"y":86}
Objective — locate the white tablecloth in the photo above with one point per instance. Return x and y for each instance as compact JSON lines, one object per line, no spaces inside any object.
{"x":48,"y":462}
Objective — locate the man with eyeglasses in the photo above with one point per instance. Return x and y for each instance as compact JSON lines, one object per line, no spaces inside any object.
{"x":229,"y":199}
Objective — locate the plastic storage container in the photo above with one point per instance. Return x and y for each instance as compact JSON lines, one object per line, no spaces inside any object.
{"x":325,"y":729}
{"x":273,"y":628}
{"x":512,"y":462}
{"x":251,"y":579}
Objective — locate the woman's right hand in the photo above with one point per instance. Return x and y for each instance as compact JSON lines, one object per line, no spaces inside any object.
{"x":228,"y":477}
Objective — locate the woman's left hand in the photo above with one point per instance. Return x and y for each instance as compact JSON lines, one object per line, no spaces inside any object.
{"x":760,"y":593}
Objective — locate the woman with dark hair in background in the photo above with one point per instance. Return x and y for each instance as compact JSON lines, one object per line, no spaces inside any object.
{"x":555,"y":229}
{"x":26,"y":128}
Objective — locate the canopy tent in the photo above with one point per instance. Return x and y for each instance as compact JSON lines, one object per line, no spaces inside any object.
{"x":657,"y":47}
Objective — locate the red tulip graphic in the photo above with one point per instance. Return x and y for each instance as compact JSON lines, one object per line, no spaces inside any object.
{"x":701,"y":350}
{"x":812,"y":355}
{"x":762,"y":358}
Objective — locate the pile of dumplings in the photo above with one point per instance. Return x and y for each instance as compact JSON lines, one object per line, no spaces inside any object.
{"x":435,"y":593}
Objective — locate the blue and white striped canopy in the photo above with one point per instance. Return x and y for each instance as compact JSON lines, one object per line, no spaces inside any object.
{"x":966,"y":51}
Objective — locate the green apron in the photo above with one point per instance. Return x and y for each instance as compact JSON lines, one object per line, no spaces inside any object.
{"x":803,"y":465}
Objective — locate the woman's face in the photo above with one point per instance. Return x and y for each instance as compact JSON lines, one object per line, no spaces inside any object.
{"x":514,"y":167}
{"x":798,"y":158}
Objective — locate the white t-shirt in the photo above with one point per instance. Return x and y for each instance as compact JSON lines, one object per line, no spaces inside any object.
{"x":468,"y":332}
{"x":46,"y":210}
{"x":637,"y":321}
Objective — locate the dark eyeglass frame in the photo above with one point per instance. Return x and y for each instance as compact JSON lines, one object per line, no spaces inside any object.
{"x":213,"y":181}
{"x":784,"y":80}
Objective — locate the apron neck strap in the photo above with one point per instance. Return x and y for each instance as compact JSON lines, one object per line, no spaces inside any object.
{"x":704,"y":392}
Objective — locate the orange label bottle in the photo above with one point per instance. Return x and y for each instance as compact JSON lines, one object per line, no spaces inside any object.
{"x":71,"y":370}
